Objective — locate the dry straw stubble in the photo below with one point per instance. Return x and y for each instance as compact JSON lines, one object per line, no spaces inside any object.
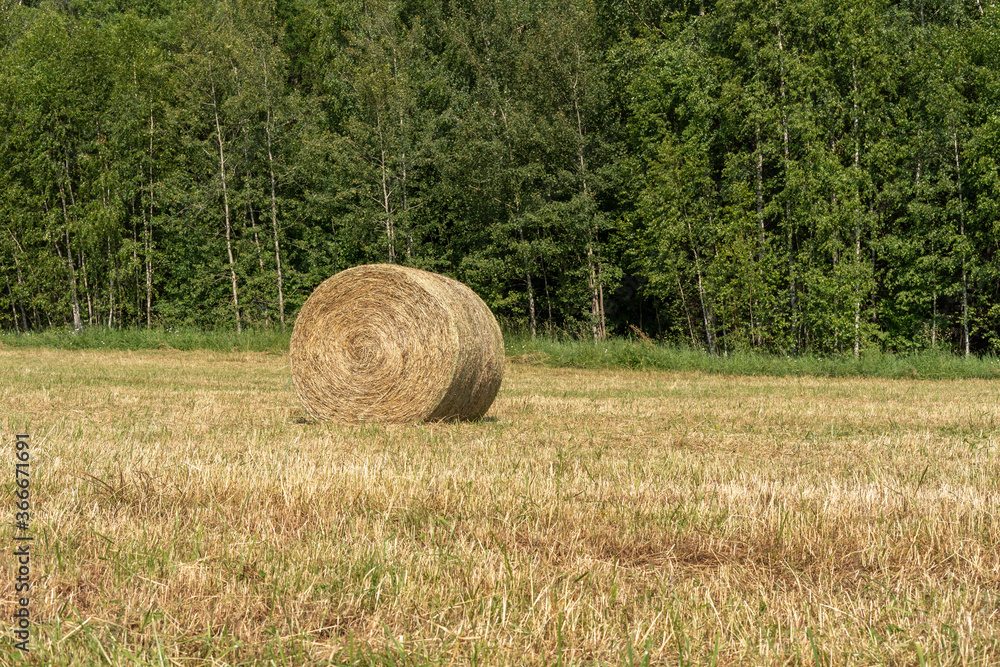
{"x":390,"y":343}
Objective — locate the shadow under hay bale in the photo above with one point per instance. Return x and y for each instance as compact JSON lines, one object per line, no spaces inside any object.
{"x":389,"y":343}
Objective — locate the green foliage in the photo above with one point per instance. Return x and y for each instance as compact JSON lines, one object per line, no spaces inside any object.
{"x":618,"y":353}
{"x":173,"y":338}
{"x":803,"y":173}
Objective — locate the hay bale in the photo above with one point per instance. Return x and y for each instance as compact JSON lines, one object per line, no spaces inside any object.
{"x":394,"y":344}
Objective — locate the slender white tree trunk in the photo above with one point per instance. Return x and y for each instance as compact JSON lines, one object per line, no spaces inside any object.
{"x":77,"y":323}
{"x":857,"y":217}
{"x":274,"y":201}
{"x":526,"y":255}
{"x":961,"y":231}
{"x":598,"y":324}
{"x":225,"y":204}
{"x":149,"y":231}
{"x":792,"y":288}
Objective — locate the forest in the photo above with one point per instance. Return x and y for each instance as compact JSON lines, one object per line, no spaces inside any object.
{"x":788,"y":176}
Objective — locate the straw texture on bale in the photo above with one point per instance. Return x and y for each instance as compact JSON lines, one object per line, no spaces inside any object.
{"x":394,"y":344}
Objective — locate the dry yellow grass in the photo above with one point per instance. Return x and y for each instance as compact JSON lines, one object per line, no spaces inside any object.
{"x":190,"y":513}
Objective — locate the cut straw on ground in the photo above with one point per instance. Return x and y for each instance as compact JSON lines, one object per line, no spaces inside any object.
{"x":189,"y":514}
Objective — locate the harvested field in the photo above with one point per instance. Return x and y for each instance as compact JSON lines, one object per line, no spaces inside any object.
{"x":189,"y":512}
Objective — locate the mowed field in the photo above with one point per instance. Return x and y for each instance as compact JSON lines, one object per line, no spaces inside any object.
{"x":188,"y":512}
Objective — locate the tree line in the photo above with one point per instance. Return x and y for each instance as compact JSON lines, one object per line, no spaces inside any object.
{"x":794,"y":176}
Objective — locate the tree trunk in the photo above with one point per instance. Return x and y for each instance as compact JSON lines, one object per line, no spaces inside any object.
{"x":111,"y":288}
{"x":402,"y":165}
{"x":146,"y":261}
{"x":149,"y":276}
{"x":934,"y":320}
{"x":86,"y":289}
{"x":687,"y":312}
{"x":256,"y":235}
{"x":600,"y":296}
{"x":857,"y":216}
{"x":706,"y":313}
{"x":548,"y":300}
{"x":390,"y":229}
{"x":135,"y":261}
{"x":532,"y":319}
{"x":77,"y":324}
{"x":13,"y":303}
{"x":386,"y":199}
{"x":760,"y":198}
{"x":149,"y":231}
{"x":274,"y":202}
{"x":225,"y":202}
{"x":598,"y":325}
{"x":531,"y":305}
{"x":20,"y":279}
{"x":260,"y":254}
{"x":756,"y":335}
{"x":792,"y":295}
{"x":706,"y":310}
{"x":857,"y":299}
{"x":961,"y":231}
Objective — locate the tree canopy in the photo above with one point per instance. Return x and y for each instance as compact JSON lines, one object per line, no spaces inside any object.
{"x":794,"y":176}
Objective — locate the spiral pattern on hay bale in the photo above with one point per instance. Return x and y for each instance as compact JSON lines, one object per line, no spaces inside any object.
{"x":390,"y":343}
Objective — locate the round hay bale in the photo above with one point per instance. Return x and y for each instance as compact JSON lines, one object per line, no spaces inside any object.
{"x":394,"y":344}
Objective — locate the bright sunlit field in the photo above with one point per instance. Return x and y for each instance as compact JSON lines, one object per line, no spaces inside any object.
{"x":189,"y":513}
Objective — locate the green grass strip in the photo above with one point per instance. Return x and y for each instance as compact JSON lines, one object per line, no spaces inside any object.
{"x":175,"y":338}
{"x":616,"y":353}
{"x":627,"y":354}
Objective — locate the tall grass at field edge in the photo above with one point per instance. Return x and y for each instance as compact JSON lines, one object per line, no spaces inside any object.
{"x":173,"y":338}
{"x":624,"y":353}
{"x":615,"y":353}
